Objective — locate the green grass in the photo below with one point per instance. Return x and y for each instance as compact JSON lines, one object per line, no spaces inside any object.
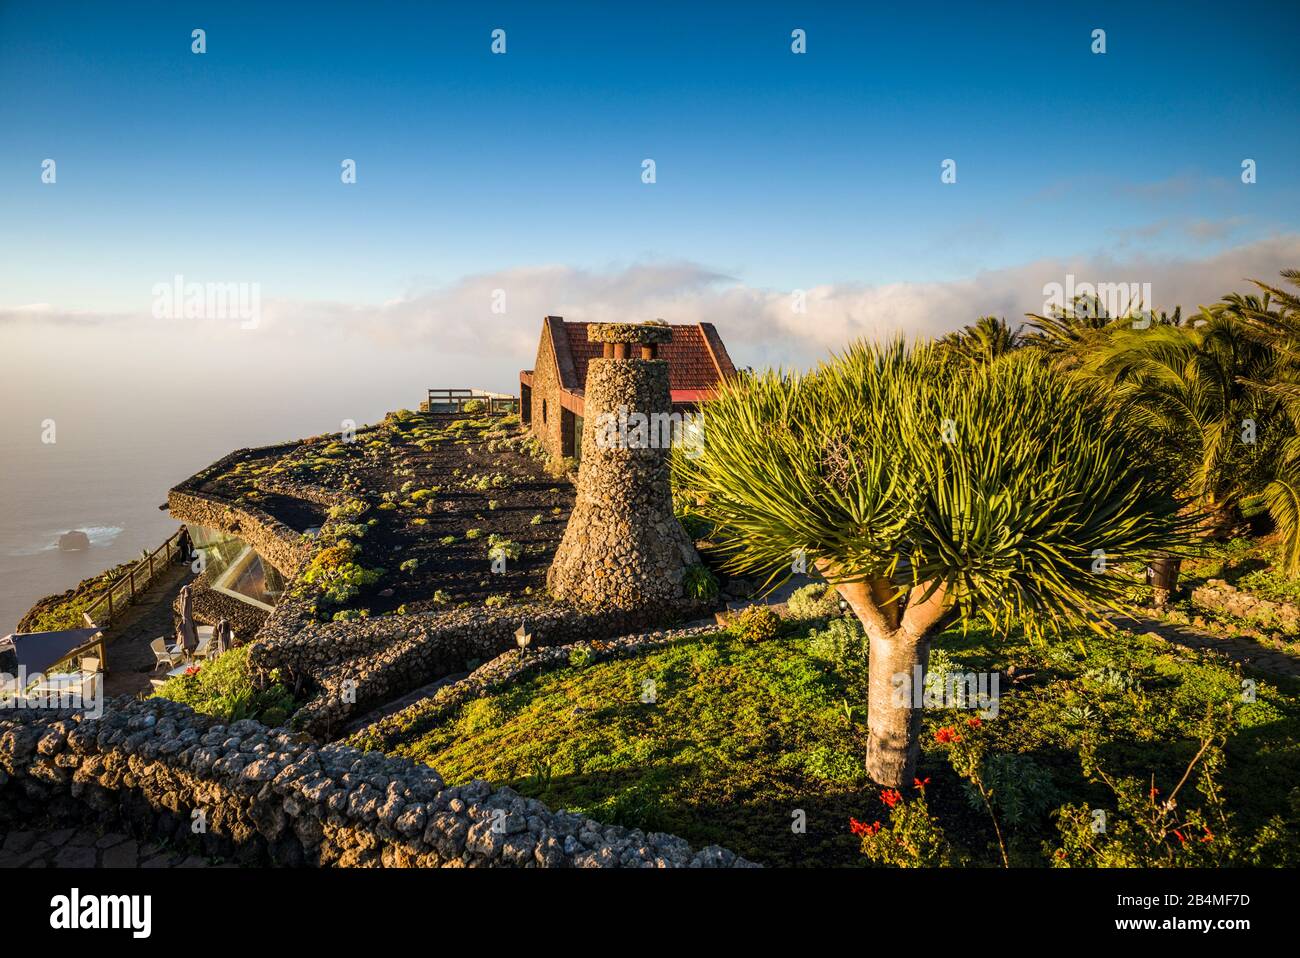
{"x":742,"y":735}
{"x":223,"y":687}
{"x":65,"y":612}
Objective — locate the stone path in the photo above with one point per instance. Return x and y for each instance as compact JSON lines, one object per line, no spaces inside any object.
{"x":84,"y":848}
{"x":1240,"y":650}
{"x":130,"y":661}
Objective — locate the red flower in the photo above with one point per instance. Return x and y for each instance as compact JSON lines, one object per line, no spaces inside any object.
{"x":1209,"y":835}
{"x":192,"y":670}
{"x":890,"y":797}
{"x":974,"y":722}
{"x":916,"y":782}
{"x":947,"y":734}
{"x":862,"y":828}
{"x":1181,"y":840}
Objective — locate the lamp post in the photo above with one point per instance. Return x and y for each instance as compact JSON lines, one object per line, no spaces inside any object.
{"x":522,"y":638}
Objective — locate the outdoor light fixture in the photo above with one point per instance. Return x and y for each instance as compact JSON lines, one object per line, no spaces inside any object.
{"x":522,"y":638}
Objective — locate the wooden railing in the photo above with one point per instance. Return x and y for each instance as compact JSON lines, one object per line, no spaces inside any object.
{"x":123,"y":590}
{"x":454,"y":400}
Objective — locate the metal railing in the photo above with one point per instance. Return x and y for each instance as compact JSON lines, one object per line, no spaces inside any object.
{"x":123,"y":590}
{"x":454,"y":400}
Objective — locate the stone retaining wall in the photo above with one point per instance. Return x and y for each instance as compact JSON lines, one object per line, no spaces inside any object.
{"x":361,"y":664}
{"x":274,"y":541}
{"x":1218,"y":596}
{"x":268,"y":796}
{"x":505,"y":669}
{"x":209,"y":607}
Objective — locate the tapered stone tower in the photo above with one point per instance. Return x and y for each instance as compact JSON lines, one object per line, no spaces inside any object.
{"x":624,"y":548}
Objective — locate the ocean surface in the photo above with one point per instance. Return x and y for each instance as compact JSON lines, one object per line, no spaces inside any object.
{"x":110,"y":467}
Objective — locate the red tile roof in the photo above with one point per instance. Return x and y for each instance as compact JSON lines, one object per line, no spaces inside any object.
{"x":691,"y":366}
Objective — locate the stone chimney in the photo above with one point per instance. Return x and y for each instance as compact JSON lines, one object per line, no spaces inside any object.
{"x":623,"y":548}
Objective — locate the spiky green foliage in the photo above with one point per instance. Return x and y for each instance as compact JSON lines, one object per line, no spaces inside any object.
{"x":1000,"y":482}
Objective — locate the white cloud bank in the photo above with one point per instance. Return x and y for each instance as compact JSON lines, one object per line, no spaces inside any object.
{"x":759,"y":325}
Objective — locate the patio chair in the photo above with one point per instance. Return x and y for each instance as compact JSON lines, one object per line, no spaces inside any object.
{"x":166,"y":655}
{"x":205,"y":647}
{"x":89,"y":675}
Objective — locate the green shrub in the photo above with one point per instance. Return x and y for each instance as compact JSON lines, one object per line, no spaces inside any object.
{"x":535,"y":520}
{"x":835,"y":765}
{"x":842,"y":643}
{"x":559,"y":468}
{"x":410,"y":565}
{"x":580,"y":656}
{"x":473,"y":405}
{"x":473,"y":533}
{"x":337,"y":575}
{"x":223,"y":687}
{"x":348,"y":510}
{"x":501,"y":546}
{"x":814,"y":601}
{"x":700,"y":584}
{"x":1019,"y":788}
{"x":757,"y":623}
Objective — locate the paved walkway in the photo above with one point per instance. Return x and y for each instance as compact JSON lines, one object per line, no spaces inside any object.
{"x":85,"y":848}
{"x":130,"y":661}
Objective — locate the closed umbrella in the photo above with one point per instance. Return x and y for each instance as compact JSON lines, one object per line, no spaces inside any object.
{"x":224,"y":637}
{"x":187,"y":635}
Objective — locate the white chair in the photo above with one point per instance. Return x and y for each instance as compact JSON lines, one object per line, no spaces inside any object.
{"x":166,"y":655}
{"x":89,"y":676}
{"x":205,"y":647}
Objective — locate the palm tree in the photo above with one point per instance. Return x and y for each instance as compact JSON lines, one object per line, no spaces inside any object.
{"x":1189,"y":387}
{"x":988,"y":339}
{"x":1069,"y":333}
{"x":919,"y":486}
{"x":1274,"y":319}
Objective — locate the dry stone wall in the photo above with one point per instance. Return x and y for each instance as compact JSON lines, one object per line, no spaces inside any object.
{"x":274,"y":541}
{"x":1218,"y":596}
{"x":269,"y":796}
{"x":209,"y":607}
{"x":358,"y":665}
{"x":505,"y":669}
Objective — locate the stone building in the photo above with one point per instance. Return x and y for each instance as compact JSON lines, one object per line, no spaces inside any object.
{"x":552,"y":393}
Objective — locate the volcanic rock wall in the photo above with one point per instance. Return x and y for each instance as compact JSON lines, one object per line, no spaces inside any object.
{"x":268,"y":796}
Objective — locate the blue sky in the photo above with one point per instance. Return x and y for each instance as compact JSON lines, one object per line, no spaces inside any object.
{"x":779,"y":170}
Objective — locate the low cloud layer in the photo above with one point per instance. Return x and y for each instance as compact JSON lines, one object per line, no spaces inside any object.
{"x":759,"y":325}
